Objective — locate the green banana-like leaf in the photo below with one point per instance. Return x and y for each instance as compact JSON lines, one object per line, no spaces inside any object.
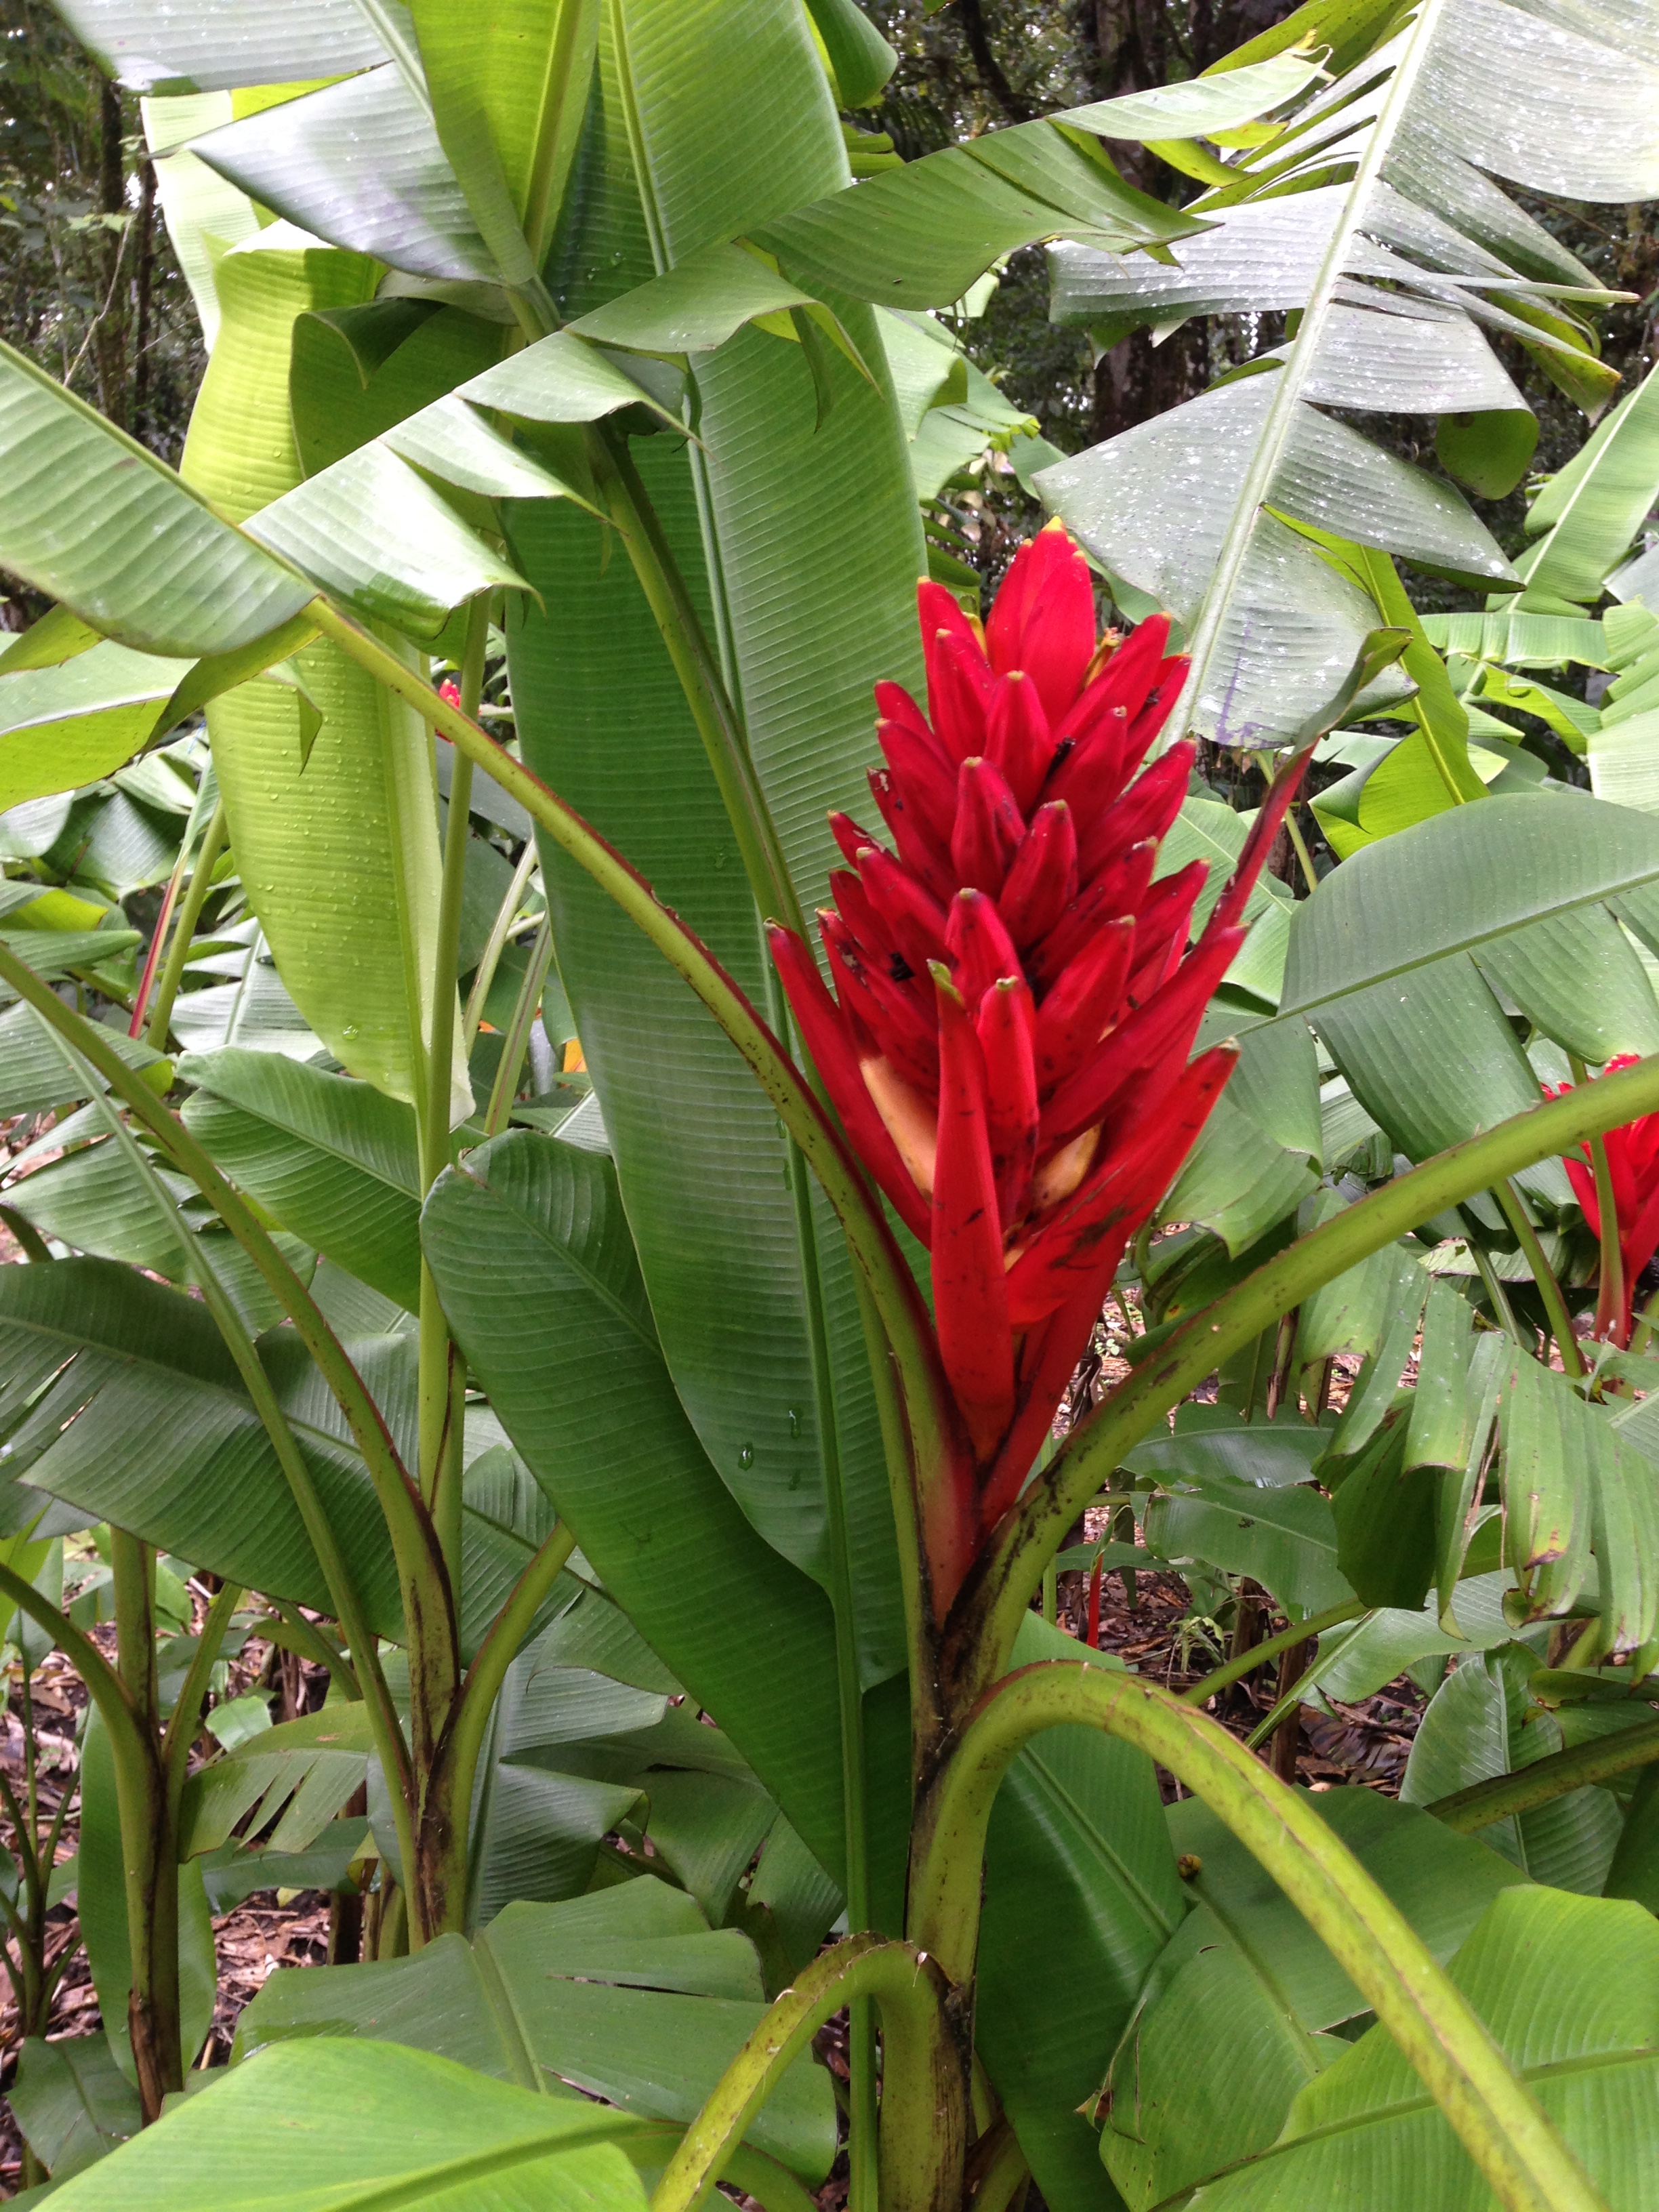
{"x":1357,"y":193}
{"x":1245,"y":1998}
{"x":706,"y":1184}
{"x":202,"y":213}
{"x":627,"y":1993}
{"x":540,"y":1283}
{"x":62,"y":727}
{"x":1565,"y":1984}
{"x":1389,"y":961}
{"x":337,"y":846}
{"x":379,"y":2117}
{"x":208,"y":46}
{"x":160,"y":572}
{"x":145,"y":1423}
{"x":293,"y":1779}
{"x":1593,"y":506}
{"x":1082,"y":1895}
{"x":331,"y":1160}
{"x":358,"y":163}
{"x":1480,"y":1724}
{"x":72,"y":2101}
{"x":510,"y":132}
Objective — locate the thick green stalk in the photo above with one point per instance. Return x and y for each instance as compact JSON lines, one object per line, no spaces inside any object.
{"x":1555,"y":1306}
{"x":927,"y":1406}
{"x":1521,"y":2157}
{"x":187,"y":1715}
{"x":490,"y":958}
{"x":459,"y":1752}
{"x":440,"y":1474}
{"x":1505,"y":1794}
{"x":190,"y":913}
{"x":149,"y":1859}
{"x":131,"y":1567}
{"x":515,"y":1038}
{"x":863,"y":2176}
{"x":924,"y":2101}
{"x":986,"y":1615}
{"x":1246,"y":1662}
{"x":1610,"y":1293}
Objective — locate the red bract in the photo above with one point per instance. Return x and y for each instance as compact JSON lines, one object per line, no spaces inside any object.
{"x":1633,"y":1163}
{"x":1016,"y":995}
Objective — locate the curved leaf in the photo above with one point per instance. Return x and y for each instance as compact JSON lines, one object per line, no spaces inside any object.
{"x":337,"y":846}
{"x":400,"y":2119}
{"x":625,"y":1994}
{"x":333,"y":1161}
{"x":146,"y":1424}
{"x":1390,"y":961}
{"x":1566,"y":1985}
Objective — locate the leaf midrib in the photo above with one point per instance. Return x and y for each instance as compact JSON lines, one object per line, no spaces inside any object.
{"x":1468,"y":945}
{"x":308,"y":1431}
{"x":1044,"y":1776}
{"x":265,"y":1118}
{"x":567,"y":1254}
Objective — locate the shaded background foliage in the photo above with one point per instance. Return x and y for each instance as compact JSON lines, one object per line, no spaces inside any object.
{"x":89,"y":287}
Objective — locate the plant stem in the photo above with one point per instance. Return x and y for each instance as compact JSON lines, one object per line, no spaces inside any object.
{"x":1246,"y":1662}
{"x":169,"y":899}
{"x":516,"y":1038}
{"x":1493,"y":1283}
{"x":1517,"y":2150}
{"x":1505,"y":1794}
{"x":181,"y":1728}
{"x":190,"y":913}
{"x":149,"y":1856}
{"x":490,"y":959}
{"x":463,"y":1742}
{"x":1010,"y":1568}
{"x":1549,"y":1288}
{"x":924,"y":2104}
{"x":440,"y":1476}
{"x":1610,"y":1293}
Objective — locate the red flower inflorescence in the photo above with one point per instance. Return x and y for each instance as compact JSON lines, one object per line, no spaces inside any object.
{"x":1633,"y":1163}
{"x":1016,"y":994}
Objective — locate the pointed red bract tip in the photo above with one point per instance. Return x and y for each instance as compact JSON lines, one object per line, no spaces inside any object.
{"x":970,"y":1295}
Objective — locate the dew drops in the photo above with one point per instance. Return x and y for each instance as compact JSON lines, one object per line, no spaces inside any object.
{"x":746,"y":1456}
{"x":794,"y":1421}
